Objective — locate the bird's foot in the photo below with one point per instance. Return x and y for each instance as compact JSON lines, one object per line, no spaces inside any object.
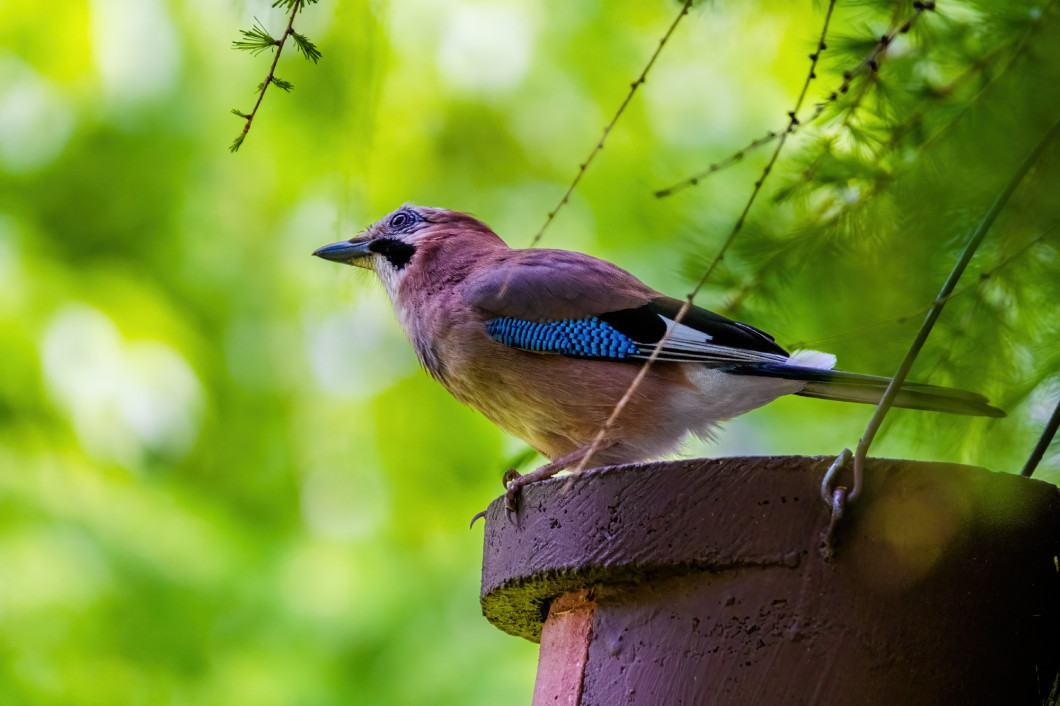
{"x":512,"y":481}
{"x":509,"y":475}
{"x":511,"y":492}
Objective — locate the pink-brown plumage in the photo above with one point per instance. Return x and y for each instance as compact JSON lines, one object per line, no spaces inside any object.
{"x":465,"y":277}
{"x":449,"y":276}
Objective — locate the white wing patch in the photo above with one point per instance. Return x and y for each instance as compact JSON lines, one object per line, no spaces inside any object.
{"x":685,"y":337}
{"x":813,"y":359}
{"x":687,"y":344}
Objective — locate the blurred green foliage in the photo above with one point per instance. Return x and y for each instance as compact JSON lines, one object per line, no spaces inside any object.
{"x":223,"y":478}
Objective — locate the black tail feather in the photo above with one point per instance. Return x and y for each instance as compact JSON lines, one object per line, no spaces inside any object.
{"x":868,"y":389}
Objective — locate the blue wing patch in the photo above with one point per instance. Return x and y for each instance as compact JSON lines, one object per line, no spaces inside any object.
{"x":583,"y":338}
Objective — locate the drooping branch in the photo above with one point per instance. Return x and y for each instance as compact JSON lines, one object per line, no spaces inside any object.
{"x":983,"y":278}
{"x":996,"y":63}
{"x":936,"y":309}
{"x":870,"y":65}
{"x":256,"y":40}
{"x":610,"y":126}
{"x":683,"y":311}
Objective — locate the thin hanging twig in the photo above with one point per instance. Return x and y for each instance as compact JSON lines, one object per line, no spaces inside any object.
{"x":643,"y":372}
{"x":721,"y":164}
{"x":870,"y":63}
{"x":1021,"y":46}
{"x":607,"y":130}
{"x":257,"y":40}
{"x":1014,"y":51}
{"x":983,"y":278}
{"x":947,"y":289}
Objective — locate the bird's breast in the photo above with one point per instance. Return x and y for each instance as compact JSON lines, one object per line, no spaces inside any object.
{"x":555,"y":403}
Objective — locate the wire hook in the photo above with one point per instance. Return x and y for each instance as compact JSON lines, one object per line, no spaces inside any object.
{"x":827,"y":492}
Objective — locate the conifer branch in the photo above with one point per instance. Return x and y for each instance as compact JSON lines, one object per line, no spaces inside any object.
{"x":306,"y":47}
{"x":256,"y":40}
{"x":983,"y":278}
{"x":974,"y":241}
{"x":610,"y":126}
{"x":870,"y":63}
{"x":1014,"y":50}
{"x":943,"y":92}
{"x":1020,"y":47}
{"x":793,"y":120}
{"x":1000,"y":61}
{"x":732,"y":159}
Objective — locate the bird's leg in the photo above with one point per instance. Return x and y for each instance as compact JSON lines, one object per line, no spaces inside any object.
{"x":509,"y":478}
{"x":514,"y":481}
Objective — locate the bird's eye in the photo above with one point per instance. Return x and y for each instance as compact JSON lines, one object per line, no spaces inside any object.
{"x":400,"y":220}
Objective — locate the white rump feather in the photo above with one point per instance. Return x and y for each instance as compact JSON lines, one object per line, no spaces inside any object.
{"x":813,"y":359}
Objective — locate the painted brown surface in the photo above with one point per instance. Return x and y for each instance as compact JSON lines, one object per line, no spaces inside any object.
{"x":564,"y":650}
{"x":710,"y":589}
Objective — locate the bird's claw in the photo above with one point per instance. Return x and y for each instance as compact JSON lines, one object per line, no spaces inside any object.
{"x":511,"y":494}
{"x":511,"y":500}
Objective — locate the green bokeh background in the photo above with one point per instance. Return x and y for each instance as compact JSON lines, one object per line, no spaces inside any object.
{"x":224,"y":480}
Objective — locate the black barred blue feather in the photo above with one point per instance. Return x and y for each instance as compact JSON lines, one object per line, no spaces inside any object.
{"x":581,"y":338}
{"x":630,"y":335}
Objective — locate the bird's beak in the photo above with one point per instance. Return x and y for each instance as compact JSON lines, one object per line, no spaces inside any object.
{"x":348,"y":251}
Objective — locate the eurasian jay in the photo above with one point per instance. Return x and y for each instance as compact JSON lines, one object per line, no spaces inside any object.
{"x":545,"y":342}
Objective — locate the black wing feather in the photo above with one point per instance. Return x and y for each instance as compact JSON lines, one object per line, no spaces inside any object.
{"x":729,"y":341}
{"x":723,"y":331}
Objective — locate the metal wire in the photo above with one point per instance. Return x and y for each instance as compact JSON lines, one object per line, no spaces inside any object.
{"x":1043,"y":443}
{"x":947,"y":290}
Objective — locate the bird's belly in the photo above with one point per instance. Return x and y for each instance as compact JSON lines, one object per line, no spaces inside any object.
{"x":720,"y":395}
{"x":558,"y":404}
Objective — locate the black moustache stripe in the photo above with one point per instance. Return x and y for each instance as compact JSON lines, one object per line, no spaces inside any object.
{"x":397,"y":252}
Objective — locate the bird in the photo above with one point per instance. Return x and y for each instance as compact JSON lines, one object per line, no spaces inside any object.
{"x":545,"y":342}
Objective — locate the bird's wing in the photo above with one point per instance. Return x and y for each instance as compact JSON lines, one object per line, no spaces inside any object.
{"x":549,"y":285}
{"x":701,"y":336}
{"x":551,"y":301}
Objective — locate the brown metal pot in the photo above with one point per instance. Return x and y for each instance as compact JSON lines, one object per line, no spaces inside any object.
{"x":702,"y":582}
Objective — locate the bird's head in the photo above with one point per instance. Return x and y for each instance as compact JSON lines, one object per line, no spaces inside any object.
{"x":404,"y":238}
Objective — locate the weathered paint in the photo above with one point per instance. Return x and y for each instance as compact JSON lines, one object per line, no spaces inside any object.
{"x":709,"y":586}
